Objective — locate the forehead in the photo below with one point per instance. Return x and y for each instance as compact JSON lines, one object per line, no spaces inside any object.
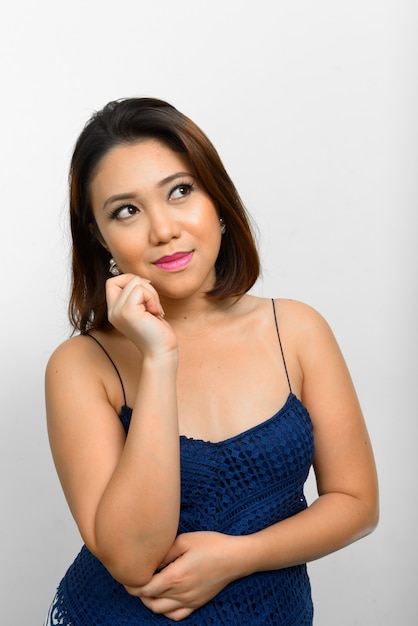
{"x":147,"y":160}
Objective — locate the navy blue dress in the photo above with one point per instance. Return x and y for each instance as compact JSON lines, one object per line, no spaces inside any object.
{"x":237,"y":487}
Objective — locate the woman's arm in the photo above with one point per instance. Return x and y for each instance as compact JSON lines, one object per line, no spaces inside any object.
{"x":124,"y":495}
{"x":347,"y":507}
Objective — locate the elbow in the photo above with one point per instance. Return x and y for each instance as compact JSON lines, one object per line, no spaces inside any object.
{"x":369,"y":525}
{"x":131,"y":558}
{"x":373,"y":509}
{"x":369,"y":518}
{"x":131,"y":576}
{"x":130,"y":567}
{"x":373,"y":519}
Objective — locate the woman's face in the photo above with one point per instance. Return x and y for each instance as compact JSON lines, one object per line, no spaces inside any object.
{"x":155,"y":218}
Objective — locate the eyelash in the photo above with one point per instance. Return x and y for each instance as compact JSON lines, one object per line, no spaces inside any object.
{"x":187,"y":186}
{"x":115,"y":213}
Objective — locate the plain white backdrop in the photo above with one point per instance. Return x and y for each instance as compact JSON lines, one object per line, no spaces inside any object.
{"x":313,"y":108}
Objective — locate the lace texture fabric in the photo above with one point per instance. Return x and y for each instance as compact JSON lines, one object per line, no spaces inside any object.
{"x":238,"y":486}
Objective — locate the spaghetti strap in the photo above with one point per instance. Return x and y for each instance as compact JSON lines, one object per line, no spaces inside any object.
{"x":280,"y":343}
{"x":112,"y":362}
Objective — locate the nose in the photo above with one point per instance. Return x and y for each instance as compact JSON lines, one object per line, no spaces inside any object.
{"x":163,"y":225}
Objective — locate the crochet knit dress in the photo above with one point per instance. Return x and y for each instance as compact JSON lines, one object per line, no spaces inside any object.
{"x":237,"y":486}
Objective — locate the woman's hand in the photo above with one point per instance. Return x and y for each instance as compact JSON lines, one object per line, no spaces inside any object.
{"x":196,"y":569}
{"x":134,"y":308}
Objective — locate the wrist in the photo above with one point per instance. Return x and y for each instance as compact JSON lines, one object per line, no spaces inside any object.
{"x":160,"y":359}
{"x":240,"y":557}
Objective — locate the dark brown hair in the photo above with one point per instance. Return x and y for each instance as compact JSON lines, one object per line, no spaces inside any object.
{"x":125,"y":122}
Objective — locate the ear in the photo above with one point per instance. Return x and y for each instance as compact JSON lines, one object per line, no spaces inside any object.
{"x":96,"y":233}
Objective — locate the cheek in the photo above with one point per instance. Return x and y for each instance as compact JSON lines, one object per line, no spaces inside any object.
{"x":206,"y":215}
{"x":129,"y":245}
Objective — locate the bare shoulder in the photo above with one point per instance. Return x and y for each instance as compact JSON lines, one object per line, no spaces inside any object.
{"x":299,"y":313}
{"x":326,"y":381}
{"x":310,"y":342}
{"x":297,"y":321}
{"x":69,"y":351}
{"x":75,"y":358}
{"x":79,"y":369}
{"x":286,"y":308}
{"x":301,"y":324}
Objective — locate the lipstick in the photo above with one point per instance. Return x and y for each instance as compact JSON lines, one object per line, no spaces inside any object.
{"x":173,"y":262}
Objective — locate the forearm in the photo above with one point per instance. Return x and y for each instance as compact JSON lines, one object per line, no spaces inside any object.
{"x":333,"y":521}
{"x":137,"y":518}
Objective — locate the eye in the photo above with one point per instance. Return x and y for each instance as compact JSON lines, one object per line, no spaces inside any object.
{"x":181,"y":191}
{"x":124,"y":212}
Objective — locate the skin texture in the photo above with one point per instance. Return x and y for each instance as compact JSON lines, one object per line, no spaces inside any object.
{"x":177,"y":351}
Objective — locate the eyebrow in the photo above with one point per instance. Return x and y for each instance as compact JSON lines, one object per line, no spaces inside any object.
{"x":129,"y":196}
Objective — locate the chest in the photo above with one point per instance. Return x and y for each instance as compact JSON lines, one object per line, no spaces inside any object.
{"x":226,"y":385}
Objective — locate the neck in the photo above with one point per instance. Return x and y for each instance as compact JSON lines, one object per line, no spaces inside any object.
{"x":196,"y":316}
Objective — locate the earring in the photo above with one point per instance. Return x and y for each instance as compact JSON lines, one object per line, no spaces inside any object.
{"x":113,"y":267}
{"x":223,"y":227}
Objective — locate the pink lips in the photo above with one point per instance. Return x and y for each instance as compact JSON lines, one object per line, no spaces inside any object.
{"x":175,"y":261}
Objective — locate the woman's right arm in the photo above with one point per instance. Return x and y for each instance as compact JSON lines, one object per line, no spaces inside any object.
{"x":123,"y":493}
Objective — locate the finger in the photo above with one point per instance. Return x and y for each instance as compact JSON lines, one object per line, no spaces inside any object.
{"x":178,"y":614}
{"x":147,"y":297}
{"x":131,"y":290}
{"x":118,"y":284}
{"x":174,"y":553}
{"x":174,"y":609}
{"x":160,"y":585}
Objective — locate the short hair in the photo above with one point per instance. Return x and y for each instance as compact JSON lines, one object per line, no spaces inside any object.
{"x":128,"y":121}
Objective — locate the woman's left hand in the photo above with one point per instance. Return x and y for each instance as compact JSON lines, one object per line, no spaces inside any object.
{"x":195,"y":570}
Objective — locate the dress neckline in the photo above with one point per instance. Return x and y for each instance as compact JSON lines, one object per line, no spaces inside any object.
{"x":126,"y":412}
{"x":290,"y":398}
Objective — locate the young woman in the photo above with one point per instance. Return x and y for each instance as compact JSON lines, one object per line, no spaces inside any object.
{"x":185,"y":414}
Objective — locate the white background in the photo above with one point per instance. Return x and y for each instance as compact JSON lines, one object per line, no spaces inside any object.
{"x":313,"y":108}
